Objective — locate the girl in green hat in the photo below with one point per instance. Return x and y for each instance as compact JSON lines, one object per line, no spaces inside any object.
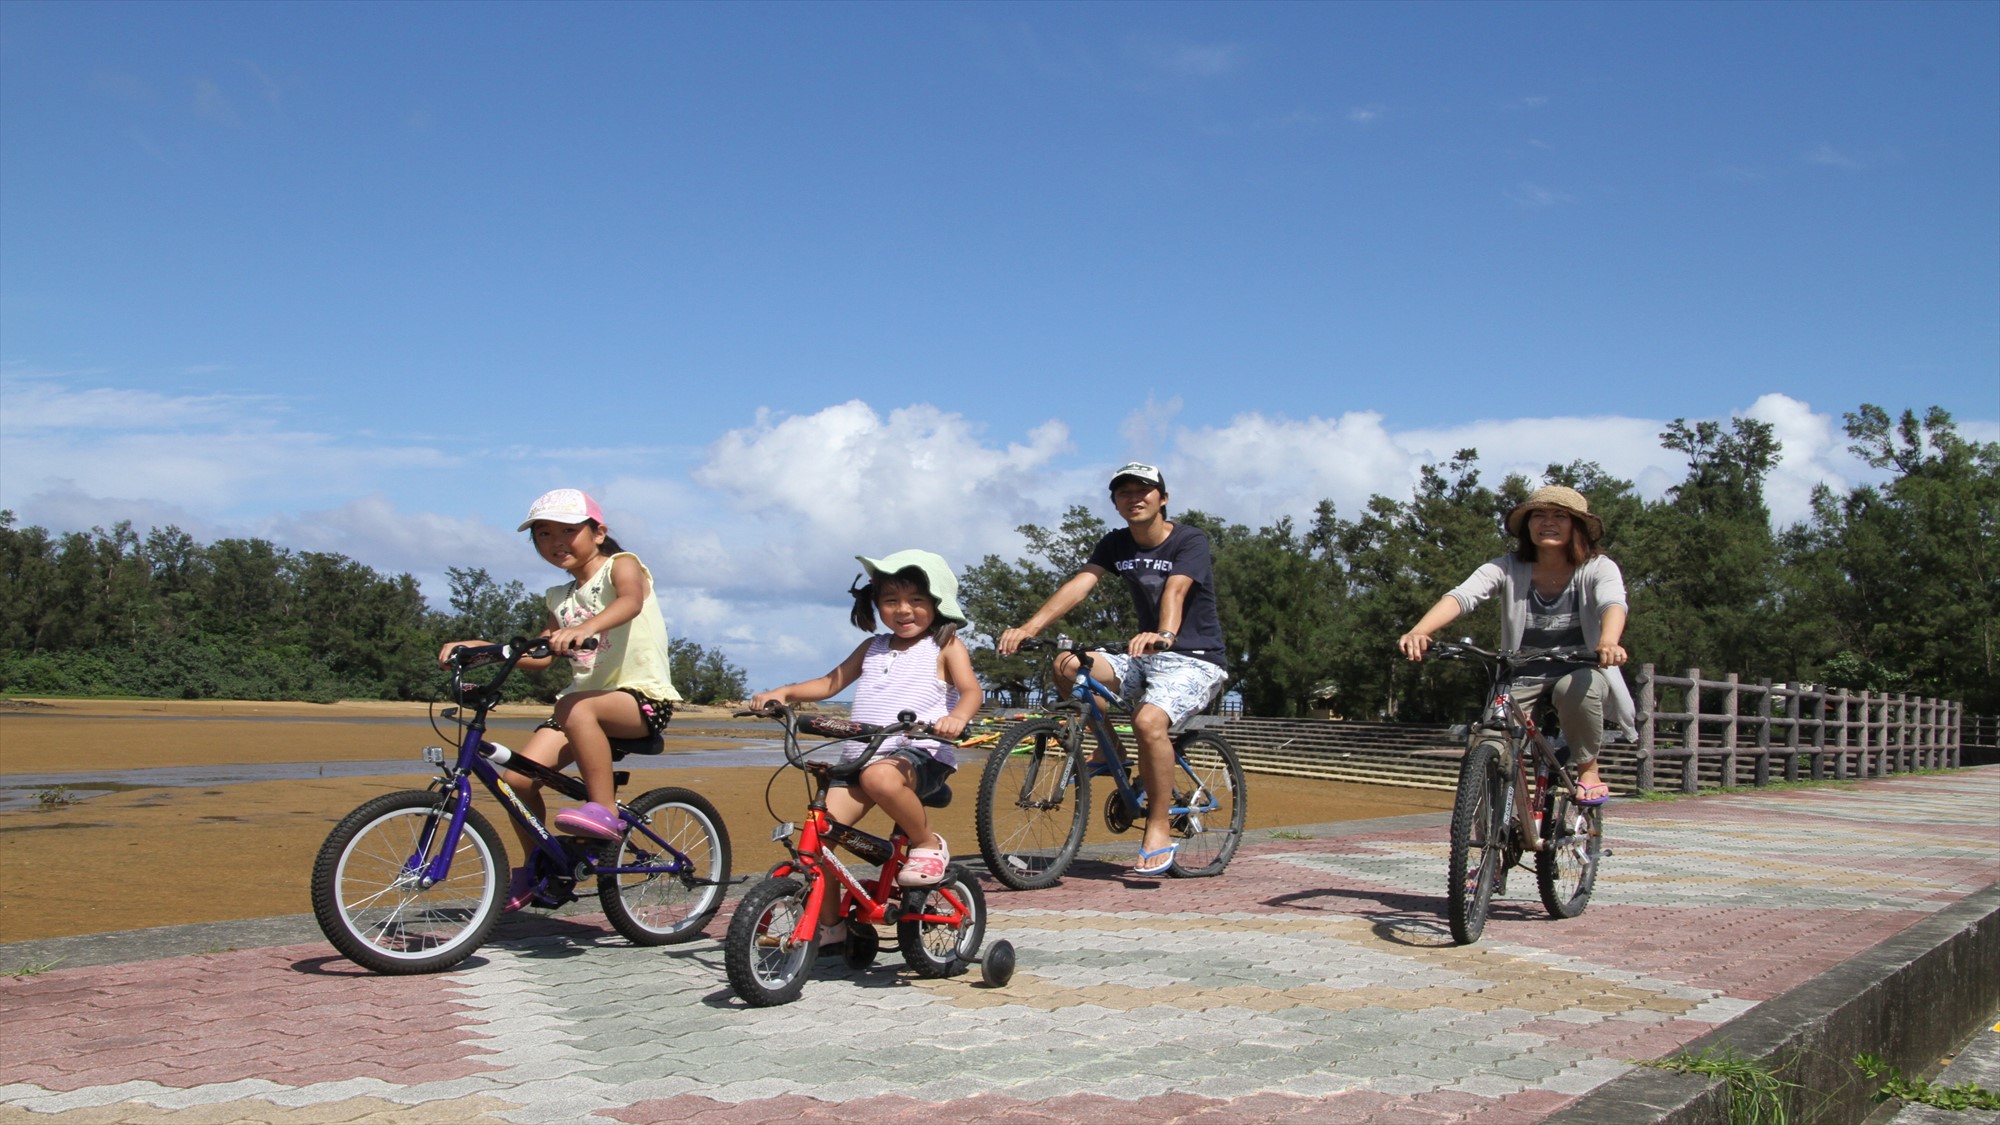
{"x":918,"y":665}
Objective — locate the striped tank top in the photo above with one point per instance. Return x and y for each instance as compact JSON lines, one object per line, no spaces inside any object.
{"x":893,"y":682}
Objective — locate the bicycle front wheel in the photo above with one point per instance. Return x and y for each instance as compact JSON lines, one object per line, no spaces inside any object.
{"x":1209,"y":805}
{"x":675,"y":895}
{"x":1567,"y":870}
{"x":1034,"y":804}
{"x":767,"y":965}
{"x":1479,"y":828}
{"x":368,"y":891}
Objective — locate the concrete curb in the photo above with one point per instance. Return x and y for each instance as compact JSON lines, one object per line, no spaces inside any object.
{"x":1908,"y":1000}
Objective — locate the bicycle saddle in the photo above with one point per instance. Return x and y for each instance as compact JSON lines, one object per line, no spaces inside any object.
{"x":651,"y":744}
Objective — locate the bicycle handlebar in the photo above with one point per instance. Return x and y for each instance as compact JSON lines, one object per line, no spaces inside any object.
{"x":1069,"y":644}
{"x":842,"y":730}
{"x":1512,"y":658}
{"x":475,"y":656}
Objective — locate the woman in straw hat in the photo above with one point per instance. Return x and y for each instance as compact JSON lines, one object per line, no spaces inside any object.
{"x":1556,"y":591}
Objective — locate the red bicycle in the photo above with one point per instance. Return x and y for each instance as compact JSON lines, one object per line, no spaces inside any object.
{"x":774,"y":937}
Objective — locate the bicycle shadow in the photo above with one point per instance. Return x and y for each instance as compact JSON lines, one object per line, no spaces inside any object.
{"x":1414,"y":921}
{"x":541,"y":939}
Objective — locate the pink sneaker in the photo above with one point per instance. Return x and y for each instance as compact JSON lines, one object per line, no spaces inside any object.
{"x":521,"y":888}
{"x":591,"y":819}
{"x":925,"y":866}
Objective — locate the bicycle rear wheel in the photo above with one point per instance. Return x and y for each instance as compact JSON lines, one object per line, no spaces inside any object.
{"x":1479,"y":827}
{"x":661,"y":907}
{"x":1034,"y":803}
{"x":950,"y":922}
{"x":1567,"y":871}
{"x":1208,"y":785}
{"x":368,"y":893}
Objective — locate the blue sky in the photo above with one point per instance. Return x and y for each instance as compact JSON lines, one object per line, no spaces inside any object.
{"x":785,"y":283}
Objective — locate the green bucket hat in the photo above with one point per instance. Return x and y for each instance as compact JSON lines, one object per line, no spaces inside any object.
{"x":937,"y":576}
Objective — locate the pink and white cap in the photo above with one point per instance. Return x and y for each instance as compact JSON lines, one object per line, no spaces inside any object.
{"x":563,"y":505}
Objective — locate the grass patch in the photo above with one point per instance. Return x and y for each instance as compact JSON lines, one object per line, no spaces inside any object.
{"x":33,"y":968}
{"x":55,"y":797}
{"x":1964,"y":1096}
{"x":1288,"y":834}
{"x":1756,"y":1095}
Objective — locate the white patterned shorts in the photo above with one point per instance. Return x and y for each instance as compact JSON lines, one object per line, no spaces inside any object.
{"x":1179,"y":685}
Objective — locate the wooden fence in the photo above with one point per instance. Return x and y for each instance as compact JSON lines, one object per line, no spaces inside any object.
{"x":1802,"y":730}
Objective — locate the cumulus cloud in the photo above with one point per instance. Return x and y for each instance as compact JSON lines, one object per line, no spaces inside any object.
{"x":849,"y":475}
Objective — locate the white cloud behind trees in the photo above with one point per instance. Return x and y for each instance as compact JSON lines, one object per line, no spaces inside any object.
{"x":752,"y":535}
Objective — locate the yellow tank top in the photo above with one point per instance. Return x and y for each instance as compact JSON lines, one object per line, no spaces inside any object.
{"x":633,"y":655}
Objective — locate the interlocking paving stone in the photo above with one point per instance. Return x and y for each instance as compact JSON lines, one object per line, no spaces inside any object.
{"x":1313,"y":982}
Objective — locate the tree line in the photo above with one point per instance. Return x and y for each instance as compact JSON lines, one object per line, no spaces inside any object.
{"x":162,"y":616}
{"x":1889,"y":587}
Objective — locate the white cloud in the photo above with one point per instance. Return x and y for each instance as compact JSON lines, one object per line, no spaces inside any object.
{"x":1366,"y":114}
{"x":1828,"y":156}
{"x":211,"y":104}
{"x":1535,"y":195}
{"x":1198,"y":60}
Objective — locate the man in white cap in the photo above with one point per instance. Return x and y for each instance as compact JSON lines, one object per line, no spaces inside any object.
{"x":1175,"y":665}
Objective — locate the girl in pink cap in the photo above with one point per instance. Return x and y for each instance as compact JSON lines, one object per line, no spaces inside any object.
{"x":622,"y":689}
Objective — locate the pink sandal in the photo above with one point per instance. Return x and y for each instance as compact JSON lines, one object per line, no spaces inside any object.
{"x":925,"y":866}
{"x":590,"y":819}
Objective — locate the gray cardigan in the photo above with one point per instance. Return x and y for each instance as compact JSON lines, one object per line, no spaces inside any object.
{"x":1598,"y":584}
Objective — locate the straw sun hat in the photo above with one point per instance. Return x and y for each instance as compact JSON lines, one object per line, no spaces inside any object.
{"x":1558,"y":498}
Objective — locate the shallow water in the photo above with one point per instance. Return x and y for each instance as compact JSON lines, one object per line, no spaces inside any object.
{"x":20,"y":791}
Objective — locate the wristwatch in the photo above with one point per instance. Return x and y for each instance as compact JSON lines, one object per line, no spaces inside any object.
{"x":1168,"y":637}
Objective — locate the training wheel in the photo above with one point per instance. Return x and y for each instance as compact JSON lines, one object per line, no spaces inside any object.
{"x":861,"y":947}
{"x":997,"y":967}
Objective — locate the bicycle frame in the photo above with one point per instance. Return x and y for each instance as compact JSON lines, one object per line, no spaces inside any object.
{"x":476,"y":758}
{"x":1084,"y":695}
{"x":813,"y":858}
{"x":1519,"y":731}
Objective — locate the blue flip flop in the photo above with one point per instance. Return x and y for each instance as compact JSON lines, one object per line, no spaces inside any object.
{"x":1591,"y":802}
{"x":1160,"y":868}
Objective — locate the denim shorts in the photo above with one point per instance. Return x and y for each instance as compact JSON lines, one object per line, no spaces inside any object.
{"x":1177,"y":684}
{"x":930,"y":774}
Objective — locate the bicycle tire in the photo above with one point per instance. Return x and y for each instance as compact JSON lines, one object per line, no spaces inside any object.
{"x":765,"y":965}
{"x":369,"y":903}
{"x":1567,"y":871}
{"x":1478,"y":841}
{"x":661,"y":907}
{"x":1034,"y":804}
{"x":1207,"y":839}
{"x":939,"y":948}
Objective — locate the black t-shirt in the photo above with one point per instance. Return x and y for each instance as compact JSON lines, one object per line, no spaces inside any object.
{"x":1185,"y":552}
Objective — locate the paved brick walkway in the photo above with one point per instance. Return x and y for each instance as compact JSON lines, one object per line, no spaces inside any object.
{"x":1314,"y":982}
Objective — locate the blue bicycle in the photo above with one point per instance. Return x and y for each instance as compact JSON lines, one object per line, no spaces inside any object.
{"x":413,"y":882}
{"x":1034,"y":793}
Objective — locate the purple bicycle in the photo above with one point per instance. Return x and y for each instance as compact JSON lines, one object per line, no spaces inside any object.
{"x":413,"y":882}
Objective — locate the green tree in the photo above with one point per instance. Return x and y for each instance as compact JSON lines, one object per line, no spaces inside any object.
{"x":999,"y":595}
{"x":1700,"y":567}
{"x":1907,"y":574}
{"x":705,"y":675}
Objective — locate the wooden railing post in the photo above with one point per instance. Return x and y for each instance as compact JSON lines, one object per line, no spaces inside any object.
{"x":1729,"y":713}
{"x":1955,"y":731}
{"x":1840,"y":739}
{"x":1819,"y":734}
{"x":1762,"y":775}
{"x":1691,"y":765}
{"x":1870,"y":740}
{"x":1793,"y":712}
{"x":1646,"y":728}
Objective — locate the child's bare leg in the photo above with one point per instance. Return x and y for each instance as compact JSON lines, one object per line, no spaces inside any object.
{"x":845,"y":806}
{"x":591,"y":719}
{"x":548,"y":747}
{"x":892,"y":784}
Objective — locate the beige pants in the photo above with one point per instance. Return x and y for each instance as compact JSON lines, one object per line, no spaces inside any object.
{"x":1578,"y":697}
